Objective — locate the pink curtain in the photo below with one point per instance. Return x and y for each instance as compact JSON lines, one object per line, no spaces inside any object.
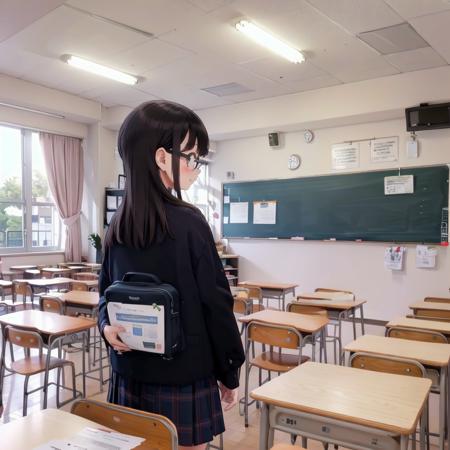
{"x":63,"y":157}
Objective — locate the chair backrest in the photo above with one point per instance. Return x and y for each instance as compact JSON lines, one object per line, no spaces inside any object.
{"x":387,"y":364}
{"x":415,"y":334}
{"x":78,"y":286}
{"x":51,"y":304}
{"x":306,"y":309}
{"x":47,"y":274}
{"x":274,"y":335}
{"x":23,"y":338}
{"x":254,"y":292}
{"x":319,"y":289}
{"x":437,"y":299}
{"x":21,"y":288}
{"x":159,"y":432}
{"x":85,"y":276}
{"x":240,"y":306}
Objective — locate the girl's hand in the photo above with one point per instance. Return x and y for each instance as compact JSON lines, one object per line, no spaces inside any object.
{"x":229,"y":397}
{"x":111,"y":334}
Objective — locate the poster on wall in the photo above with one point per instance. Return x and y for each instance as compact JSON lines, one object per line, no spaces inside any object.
{"x":239,"y":212}
{"x":384,"y":149}
{"x":265,"y":212}
{"x":345,"y":156}
{"x":426,"y":257}
{"x":393,"y":257}
{"x":401,"y":184}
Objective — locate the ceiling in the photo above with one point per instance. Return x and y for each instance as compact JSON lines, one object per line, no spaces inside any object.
{"x":181,"y":47}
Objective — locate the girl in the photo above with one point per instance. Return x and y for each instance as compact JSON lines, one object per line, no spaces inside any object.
{"x":153,"y":231}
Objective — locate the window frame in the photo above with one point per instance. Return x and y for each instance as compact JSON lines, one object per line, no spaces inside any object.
{"x":27,"y":200}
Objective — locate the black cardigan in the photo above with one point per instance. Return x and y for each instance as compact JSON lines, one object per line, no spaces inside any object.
{"x":188,"y":261}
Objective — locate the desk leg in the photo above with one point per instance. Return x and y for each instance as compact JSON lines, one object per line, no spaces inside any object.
{"x":2,"y":368}
{"x":247,"y":350}
{"x":353,"y":312}
{"x":340,"y":358}
{"x":404,"y":442}
{"x":83,"y":363}
{"x":442,"y":403}
{"x":47,"y":370}
{"x":361,"y":315}
{"x":264,"y":428}
{"x":446,"y":370}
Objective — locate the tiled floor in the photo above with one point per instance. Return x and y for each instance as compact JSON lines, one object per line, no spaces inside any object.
{"x":236,"y":437}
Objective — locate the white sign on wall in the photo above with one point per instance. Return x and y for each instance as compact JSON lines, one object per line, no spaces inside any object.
{"x":401,"y":184}
{"x":385,"y":149}
{"x":345,"y":156}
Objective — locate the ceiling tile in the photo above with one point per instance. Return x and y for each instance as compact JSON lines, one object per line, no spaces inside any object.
{"x":278,"y":69}
{"x":357,"y":16}
{"x":312,"y":83}
{"x":375,"y":68}
{"x":119,"y":96}
{"x":435,"y":29}
{"x":422,"y":58}
{"x":414,"y":8}
{"x":155,"y":16}
{"x":210,"y":5}
{"x":21,"y":13}
{"x":144,"y":57}
{"x":65,"y":31}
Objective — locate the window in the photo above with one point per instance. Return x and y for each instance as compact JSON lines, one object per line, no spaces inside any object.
{"x":29,"y":220}
{"x":198,"y":192}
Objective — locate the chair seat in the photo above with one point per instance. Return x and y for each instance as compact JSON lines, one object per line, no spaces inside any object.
{"x":36,"y":364}
{"x":276,"y":362}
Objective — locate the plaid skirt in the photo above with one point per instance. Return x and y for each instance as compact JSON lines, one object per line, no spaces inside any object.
{"x":195,"y":409}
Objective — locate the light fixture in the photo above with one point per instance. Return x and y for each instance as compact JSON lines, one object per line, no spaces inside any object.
{"x":36,"y":111}
{"x":99,"y":69}
{"x":271,"y":42}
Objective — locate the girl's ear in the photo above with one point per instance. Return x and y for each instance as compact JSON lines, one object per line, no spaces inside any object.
{"x":161,"y":159}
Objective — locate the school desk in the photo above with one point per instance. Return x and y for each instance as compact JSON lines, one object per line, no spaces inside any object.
{"x":437,"y":310}
{"x":337,"y":309}
{"x":53,"y":328}
{"x":429,"y":354}
{"x":277,"y":291}
{"x":421,"y":324}
{"x":349,"y":407}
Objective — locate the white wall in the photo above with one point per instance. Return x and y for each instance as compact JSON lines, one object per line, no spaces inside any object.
{"x":354,"y":266}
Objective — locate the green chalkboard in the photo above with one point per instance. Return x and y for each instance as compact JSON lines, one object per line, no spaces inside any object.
{"x":345,"y":207}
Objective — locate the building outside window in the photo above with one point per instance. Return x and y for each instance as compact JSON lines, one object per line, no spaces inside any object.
{"x":29,"y":220}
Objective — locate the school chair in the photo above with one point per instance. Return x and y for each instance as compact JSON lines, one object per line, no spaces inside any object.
{"x":24,"y":290}
{"x":396,"y":366}
{"x":158,"y":431}
{"x":74,"y":286}
{"x":35,"y":364}
{"x":277,"y":338}
{"x":53,"y":304}
{"x":294,"y":307}
{"x":414,"y":334}
{"x":254,"y":293}
{"x":85,"y":276}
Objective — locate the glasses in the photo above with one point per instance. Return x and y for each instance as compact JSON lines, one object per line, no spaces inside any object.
{"x":193,"y":161}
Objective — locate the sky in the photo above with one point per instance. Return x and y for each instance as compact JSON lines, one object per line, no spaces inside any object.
{"x":10,"y":153}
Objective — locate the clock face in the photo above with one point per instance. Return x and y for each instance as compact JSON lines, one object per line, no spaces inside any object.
{"x":294,"y":162}
{"x":308,"y":135}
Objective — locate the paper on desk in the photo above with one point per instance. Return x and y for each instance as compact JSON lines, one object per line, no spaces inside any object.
{"x":144,"y":325}
{"x":425,"y":257}
{"x":94,"y":439}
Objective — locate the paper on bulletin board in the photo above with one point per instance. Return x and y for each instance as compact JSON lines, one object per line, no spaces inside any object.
{"x":239,"y":212}
{"x":425,"y":257}
{"x":401,"y":184}
{"x":385,"y":149}
{"x":345,"y":156}
{"x":393,"y":257}
{"x":265,"y":212}
{"x":225,"y":220}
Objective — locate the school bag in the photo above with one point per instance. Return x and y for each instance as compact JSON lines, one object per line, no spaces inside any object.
{"x":149,"y":310}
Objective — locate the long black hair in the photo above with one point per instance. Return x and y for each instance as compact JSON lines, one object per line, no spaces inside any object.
{"x":151,"y":125}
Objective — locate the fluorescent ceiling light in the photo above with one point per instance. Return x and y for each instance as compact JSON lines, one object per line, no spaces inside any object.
{"x":98,"y":69}
{"x":36,"y":111}
{"x":271,"y":42}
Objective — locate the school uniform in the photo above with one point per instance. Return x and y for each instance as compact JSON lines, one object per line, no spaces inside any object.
{"x":183,"y":388}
